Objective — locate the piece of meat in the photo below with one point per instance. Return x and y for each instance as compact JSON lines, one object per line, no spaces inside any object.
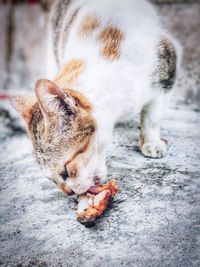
{"x":92,"y":205}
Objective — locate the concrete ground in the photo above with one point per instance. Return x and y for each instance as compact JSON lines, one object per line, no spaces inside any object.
{"x":155,"y":219}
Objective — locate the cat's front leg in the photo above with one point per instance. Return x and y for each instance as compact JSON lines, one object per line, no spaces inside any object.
{"x":150,"y":143}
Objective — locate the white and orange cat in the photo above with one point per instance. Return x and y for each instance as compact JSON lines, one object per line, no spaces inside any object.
{"x":106,"y":58}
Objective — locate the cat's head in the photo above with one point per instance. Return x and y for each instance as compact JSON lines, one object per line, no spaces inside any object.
{"x":63,"y":133}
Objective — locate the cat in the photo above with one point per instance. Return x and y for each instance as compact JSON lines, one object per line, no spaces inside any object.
{"x":104,"y":59}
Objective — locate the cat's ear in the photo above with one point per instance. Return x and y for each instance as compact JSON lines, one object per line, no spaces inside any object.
{"x":23,"y":105}
{"x":53,"y":99}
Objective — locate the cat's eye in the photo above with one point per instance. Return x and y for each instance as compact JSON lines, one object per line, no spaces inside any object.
{"x":64,"y":174}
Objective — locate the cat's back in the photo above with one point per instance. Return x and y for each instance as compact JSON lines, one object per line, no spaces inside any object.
{"x":112,"y":8}
{"x":107,"y":49}
{"x":82,"y":26}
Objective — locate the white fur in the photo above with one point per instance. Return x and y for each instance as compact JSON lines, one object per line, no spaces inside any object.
{"x":122,"y":86}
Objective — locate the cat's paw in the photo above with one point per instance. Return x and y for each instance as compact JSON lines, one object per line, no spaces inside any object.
{"x":157,"y":149}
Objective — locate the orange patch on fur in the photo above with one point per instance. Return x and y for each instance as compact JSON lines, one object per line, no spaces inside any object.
{"x":89,"y":24}
{"x":70,"y":73}
{"x":73,"y":171}
{"x":111,"y":38}
{"x":80,"y":98}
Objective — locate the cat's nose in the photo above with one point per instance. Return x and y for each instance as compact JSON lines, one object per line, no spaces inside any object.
{"x":97,"y":180}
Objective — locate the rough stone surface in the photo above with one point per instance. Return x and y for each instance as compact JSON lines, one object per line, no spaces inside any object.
{"x":155,"y":219}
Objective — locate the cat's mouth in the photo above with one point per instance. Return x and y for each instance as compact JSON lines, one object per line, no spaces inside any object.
{"x":93,"y":189}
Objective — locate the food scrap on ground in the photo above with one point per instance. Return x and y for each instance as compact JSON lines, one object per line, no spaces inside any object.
{"x":92,"y":204}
